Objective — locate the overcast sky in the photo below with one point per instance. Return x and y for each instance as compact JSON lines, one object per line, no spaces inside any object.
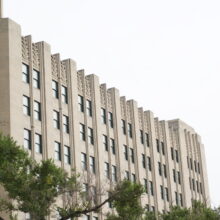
{"x":163,"y":53}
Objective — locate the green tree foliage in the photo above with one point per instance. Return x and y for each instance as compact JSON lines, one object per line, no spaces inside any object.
{"x":36,"y":186}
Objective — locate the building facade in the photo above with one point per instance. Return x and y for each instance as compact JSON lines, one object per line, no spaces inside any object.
{"x":56,"y":111}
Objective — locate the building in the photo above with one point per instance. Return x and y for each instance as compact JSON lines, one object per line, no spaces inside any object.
{"x":56,"y":111}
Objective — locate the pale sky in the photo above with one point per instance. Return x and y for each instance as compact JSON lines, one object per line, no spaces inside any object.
{"x":163,"y":53}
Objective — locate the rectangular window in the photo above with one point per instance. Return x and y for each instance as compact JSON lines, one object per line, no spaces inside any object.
{"x":80,"y":103}
{"x":90,"y":136}
{"x":177,"y":156}
{"x":26,"y":105}
{"x":103,"y":115}
{"x":37,"y":110}
{"x":110,"y":119}
{"x":36,"y":79}
{"x":56,"y":119}
{"x":83,"y":161}
{"x":126,"y":152}
{"x":123,"y":126}
{"x":188,"y":161}
{"x":179,"y":177}
{"x":27,"y":139}
{"x":132,"y":155}
{"x":158,"y":145}
{"x":89,"y":108}
{"x":149,"y":163}
{"x":130,"y":130}
{"x":112,"y":145}
{"x":151,"y":188}
{"x":64,"y":94}
{"x":161,"y":192}
{"x":181,"y":199}
{"x":25,"y":73}
{"x":176,"y":198}
{"x":143,"y":161}
{"x":193,"y":184}
{"x":82,"y":132}
{"x":105,"y":142}
{"x":174,"y":175}
{"x":172,"y":153}
{"x":197,"y":186}
{"x":167,"y":194}
{"x":162,"y":148}
{"x":127,"y":176}
{"x":57,"y":148}
{"x":165,"y":170}
{"x":198,"y":168}
{"x":191,"y":164}
{"x":133,"y":178}
{"x":147,"y":139}
{"x":114,"y":173}
{"x":55,"y":89}
{"x":107,"y":171}
{"x":142,"y":137}
{"x":195,"y":165}
{"x":38,"y":143}
{"x":146,"y":185}
{"x":92,"y":164}
{"x":159,"y":169}
{"x":66,"y":124}
{"x":67,"y":155}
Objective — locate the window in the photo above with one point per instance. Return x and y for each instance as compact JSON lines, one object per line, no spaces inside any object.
{"x":142,"y":136}
{"x":110,"y":119}
{"x":143,"y":161}
{"x":103,"y":115}
{"x":151,"y":188}
{"x":92,"y":164}
{"x":127,"y":176}
{"x":167,"y":194}
{"x":89,"y":108}
{"x":162,"y":148}
{"x":165,"y":170}
{"x":66,"y":124}
{"x":152,"y":208}
{"x":114,"y":173}
{"x":132,"y":155}
{"x":123,"y":126}
{"x":82,"y":132}
{"x":159,"y":169}
{"x":112,"y":145}
{"x":133,"y":177}
{"x":64,"y":94}
{"x":26,"y":105}
{"x":57,"y":151}
{"x":25,"y":73}
{"x":161,"y":192}
{"x":146,"y":185}
{"x":172,"y":153}
{"x":83,"y":161}
{"x":188,"y":161}
{"x":149,"y":163}
{"x":181,"y":199}
{"x":38,"y":143}
{"x":147,"y":139}
{"x":36,"y":79}
{"x":158,"y":145}
{"x":179,"y":177}
{"x":37,"y":110}
{"x":90,"y":136}
{"x":56,"y":119}
{"x":190,"y":184}
{"x":81,"y":103}
{"x":130,"y":130}
{"x":126,"y":152}
{"x":174,"y":175}
{"x":197,"y":186}
{"x":195,"y":165}
{"x":55,"y":89}
{"x":177,"y":156}
{"x":176,"y":197}
{"x":105,"y":142}
{"x":107,"y":172}
{"x":191,"y":164}
{"x":193,"y":184}
{"x":27,"y":139}
{"x":67,"y":155}
{"x":198,"y":168}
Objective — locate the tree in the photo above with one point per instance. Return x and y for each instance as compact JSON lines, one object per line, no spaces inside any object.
{"x":36,"y":186}
{"x":127,"y":202}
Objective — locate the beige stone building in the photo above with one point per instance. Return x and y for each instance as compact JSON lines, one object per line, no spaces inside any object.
{"x":56,"y":111}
